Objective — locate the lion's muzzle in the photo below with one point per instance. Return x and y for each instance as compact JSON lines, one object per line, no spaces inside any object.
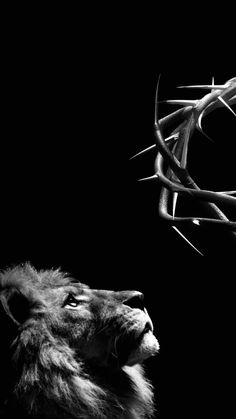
{"x":136,"y":341}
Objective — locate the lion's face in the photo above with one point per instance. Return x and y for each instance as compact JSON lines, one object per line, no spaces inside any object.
{"x":105,"y":327}
{"x":108,"y":327}
{"x":62,"y":337}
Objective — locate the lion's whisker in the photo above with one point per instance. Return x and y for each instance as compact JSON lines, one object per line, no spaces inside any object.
{"x":115,"y":345}
{"x":102,"y":329}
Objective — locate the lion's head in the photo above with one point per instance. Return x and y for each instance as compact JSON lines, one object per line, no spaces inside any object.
{"x":70,"y":351}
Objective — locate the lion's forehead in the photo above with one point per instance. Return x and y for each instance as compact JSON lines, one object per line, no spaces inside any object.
{"x":82,"y":292}
{"x":51,"y":284}
{"x":77,"y":289}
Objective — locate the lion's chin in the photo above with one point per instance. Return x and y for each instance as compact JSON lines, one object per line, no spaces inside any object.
{"x":147,"y":347}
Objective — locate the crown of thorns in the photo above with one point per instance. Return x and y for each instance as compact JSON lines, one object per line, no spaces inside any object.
{"x":171,"y":163}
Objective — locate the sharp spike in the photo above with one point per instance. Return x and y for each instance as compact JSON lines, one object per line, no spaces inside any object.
{"x":172,"y":137}
{"x":149,"y":178}
{"x":185,"y":238}
{"x":213,"y":83}
{"x":199,"y":127}
{"x":143,"y":151}
{"x":228,"y":192}
{"x":151,"y":147}
{"x":204,"y":86}
{"x":174,"y":203}
{"x":181,"y":102}
{"x":199,"y":121}
{"x":156,"y":101}
{"x":226,"y":104}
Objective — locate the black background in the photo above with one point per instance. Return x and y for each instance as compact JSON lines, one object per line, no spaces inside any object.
{"x":79,"y":103}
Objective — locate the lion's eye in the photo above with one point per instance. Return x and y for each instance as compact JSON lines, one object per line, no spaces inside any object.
{"x":71,"y":301}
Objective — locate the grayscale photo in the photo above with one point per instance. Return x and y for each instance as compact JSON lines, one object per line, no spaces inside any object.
{"x":118,"y":215}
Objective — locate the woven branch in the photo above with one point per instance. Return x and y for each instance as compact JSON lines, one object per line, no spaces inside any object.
{"x":171,"y":164}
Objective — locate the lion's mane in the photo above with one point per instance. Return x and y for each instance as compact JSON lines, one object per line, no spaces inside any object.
{"x":43,"y":374}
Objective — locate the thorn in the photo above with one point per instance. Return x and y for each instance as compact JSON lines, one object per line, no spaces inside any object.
{"x":204,"y":86}
{"x":228,"y":192}
{"x":156,"y":101}
{"x":226,"y":104}
{"x":172,"y":137}
{"x":151,"y":147}
{"x":213,"y":83}
{"x":143,"y":151}
{"x":179,"y":232}
{"x":199,"y":122}
{"x":174,"y":203}
{"x":199,"y":127}
{"x":149,"y":178}
{"x":182,"y":102}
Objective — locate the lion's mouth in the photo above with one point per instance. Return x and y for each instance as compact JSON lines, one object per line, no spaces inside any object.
{"x":127,"y":343}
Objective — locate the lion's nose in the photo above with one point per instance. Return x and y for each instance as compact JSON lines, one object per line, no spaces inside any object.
{"x":135,"y":300}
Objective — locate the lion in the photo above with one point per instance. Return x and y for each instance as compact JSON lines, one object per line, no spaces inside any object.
{"x":69,"y":351}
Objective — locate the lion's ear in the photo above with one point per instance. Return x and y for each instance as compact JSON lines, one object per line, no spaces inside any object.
{"x":16,"y":305}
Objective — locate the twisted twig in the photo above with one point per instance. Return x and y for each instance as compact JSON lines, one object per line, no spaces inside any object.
{"x":173,"y":150}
